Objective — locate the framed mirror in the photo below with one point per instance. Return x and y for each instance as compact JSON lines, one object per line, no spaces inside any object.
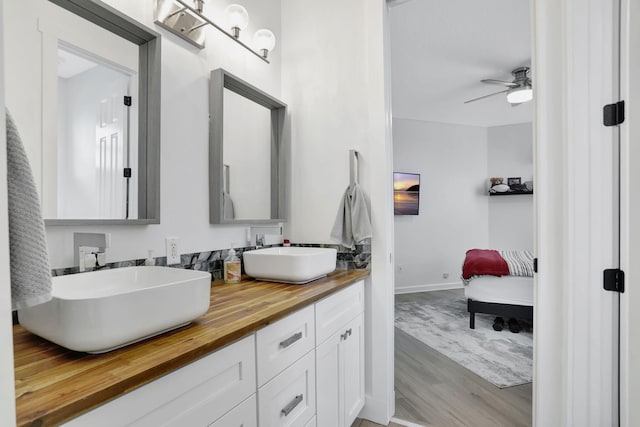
{"x":247,"y":157}
{"x":94,"y":141}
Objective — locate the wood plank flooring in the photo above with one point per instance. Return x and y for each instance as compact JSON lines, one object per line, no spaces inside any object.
{"x":431,"y":389}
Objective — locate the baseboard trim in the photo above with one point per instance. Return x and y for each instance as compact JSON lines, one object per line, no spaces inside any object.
{"x":405,"y":423}
{"x":374,"y":410}
{"x":428,"y":288}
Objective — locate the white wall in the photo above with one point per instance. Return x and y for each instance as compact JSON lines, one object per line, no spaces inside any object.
{"x":185,"y":135}
{"x":452,"y":162}
{"x":510,"y":154}
{"x":7,"y":391}
{"x":335,"y":83}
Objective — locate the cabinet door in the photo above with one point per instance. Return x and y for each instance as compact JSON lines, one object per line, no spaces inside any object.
{"x":353,"y":359}
{"x":329,"y":392}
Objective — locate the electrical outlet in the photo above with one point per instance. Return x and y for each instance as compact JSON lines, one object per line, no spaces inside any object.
{"x":173,"y":254}
{"x":445,"y":275}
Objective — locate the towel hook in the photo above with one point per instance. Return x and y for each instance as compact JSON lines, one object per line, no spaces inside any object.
{"x":354,"y":167}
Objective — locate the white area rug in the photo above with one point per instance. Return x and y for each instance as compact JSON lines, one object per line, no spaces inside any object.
{"x":503,"y":358}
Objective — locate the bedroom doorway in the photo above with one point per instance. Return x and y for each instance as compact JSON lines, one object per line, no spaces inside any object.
{"x":453,"y":66}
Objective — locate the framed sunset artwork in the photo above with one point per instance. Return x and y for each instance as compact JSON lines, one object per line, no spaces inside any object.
{"x":406,"y":193}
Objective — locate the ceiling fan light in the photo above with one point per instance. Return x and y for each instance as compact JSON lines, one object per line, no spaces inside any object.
{"x":520,"y":95}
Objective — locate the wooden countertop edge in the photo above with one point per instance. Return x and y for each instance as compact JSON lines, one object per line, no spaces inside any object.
{"x":90,"y":401}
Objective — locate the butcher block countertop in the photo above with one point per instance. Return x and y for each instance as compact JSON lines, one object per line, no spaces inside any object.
{"x":54,"y":384}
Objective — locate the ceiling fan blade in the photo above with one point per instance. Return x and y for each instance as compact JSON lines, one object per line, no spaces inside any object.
{"x":500,"y":82}
{"x":486,"y":96}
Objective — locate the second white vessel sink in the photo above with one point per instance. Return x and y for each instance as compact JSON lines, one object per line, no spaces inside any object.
{"x":100,"y":311}
{"x":295,"y":265}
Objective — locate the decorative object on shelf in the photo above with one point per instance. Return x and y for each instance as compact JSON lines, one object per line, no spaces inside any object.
{"x":189,"y":22}
{"x":406,"y":193}
{"x":496,"y":181}
{"x":264,"y":40}
{"x":499,"y":188}
{"x":237,"y":18}
{"x":528,"y":185}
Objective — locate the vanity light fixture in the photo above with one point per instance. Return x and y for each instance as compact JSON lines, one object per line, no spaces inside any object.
{"x":237,"y":18}
{"x":188,"y":22}
{"x":264,"y":40}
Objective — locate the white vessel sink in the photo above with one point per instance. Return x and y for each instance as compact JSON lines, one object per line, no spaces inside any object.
{"x":290,"y":264}
{"x":100,"y":311}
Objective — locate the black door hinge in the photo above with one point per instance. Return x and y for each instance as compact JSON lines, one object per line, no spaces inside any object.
{"x":127,"y":101}
{"x":535,"y":265}
{"x":127,"y":172}
{"x":614,"y":280}
{"x":613,"y":114}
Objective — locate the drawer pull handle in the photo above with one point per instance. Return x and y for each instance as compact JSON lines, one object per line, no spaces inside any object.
{"x":293,"y":338}
{"x":292,"y":405}
{"x":348,"y":331}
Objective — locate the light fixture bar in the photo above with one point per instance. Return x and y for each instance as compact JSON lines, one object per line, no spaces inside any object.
{"x":186,"y":33}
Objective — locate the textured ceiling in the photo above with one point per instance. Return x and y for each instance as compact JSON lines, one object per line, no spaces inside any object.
{"x":440,"y":50}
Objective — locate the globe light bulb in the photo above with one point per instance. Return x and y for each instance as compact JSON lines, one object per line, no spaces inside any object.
{"x":264,"y":41}
{"x":237,"y":18}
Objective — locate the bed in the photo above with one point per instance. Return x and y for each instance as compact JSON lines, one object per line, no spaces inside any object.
{"x":498,"y":283}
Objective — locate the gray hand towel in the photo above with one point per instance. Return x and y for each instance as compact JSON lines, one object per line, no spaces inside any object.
{"x":353,"y":224}
{"x":227,"y":204}
{"x":30,"y":272}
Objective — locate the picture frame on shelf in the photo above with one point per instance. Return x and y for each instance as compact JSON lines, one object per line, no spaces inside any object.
{"x":514,"y":181}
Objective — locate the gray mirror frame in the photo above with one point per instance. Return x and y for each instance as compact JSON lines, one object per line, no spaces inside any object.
{"x":220,"y":80}
{"x":149,"y":96}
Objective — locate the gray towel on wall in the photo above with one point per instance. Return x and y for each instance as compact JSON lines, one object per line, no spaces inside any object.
{"x":227,"y":204}
{"x":30,"y":272}
{"x":353,"y":224}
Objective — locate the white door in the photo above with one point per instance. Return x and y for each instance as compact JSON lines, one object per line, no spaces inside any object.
{"x":630,"y":216}
{"x":111,"y":150}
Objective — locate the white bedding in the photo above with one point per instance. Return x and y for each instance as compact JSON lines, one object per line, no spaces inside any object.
{"x":503,"y":290}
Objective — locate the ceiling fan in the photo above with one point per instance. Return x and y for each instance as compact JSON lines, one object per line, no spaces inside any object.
{"x":518,"y":91}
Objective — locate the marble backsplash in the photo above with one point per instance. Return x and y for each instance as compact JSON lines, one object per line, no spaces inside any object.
{"x":212,"y":261}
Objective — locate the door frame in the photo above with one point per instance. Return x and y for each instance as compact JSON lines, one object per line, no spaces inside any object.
{"x":7,"y":384}
{"x":629,"y":208}
{"x":575,"y":331}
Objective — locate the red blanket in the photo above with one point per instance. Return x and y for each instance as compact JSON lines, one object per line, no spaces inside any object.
{"x":484,"y":261}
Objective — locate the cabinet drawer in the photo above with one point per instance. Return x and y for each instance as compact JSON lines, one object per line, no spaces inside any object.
{"x":194,"y":395}
{"x":290,"y":398}
{"x":336,"y":310}
{"x":243,"y":415}
{"x":284,"y":342}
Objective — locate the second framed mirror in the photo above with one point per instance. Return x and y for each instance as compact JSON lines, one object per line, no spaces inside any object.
{"x":247,"y":159}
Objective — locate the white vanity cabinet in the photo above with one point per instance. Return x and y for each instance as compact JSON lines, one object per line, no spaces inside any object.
{"x":340,"y":357}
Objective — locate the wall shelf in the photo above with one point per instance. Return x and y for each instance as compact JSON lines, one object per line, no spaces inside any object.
{"x":511,"y":193}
